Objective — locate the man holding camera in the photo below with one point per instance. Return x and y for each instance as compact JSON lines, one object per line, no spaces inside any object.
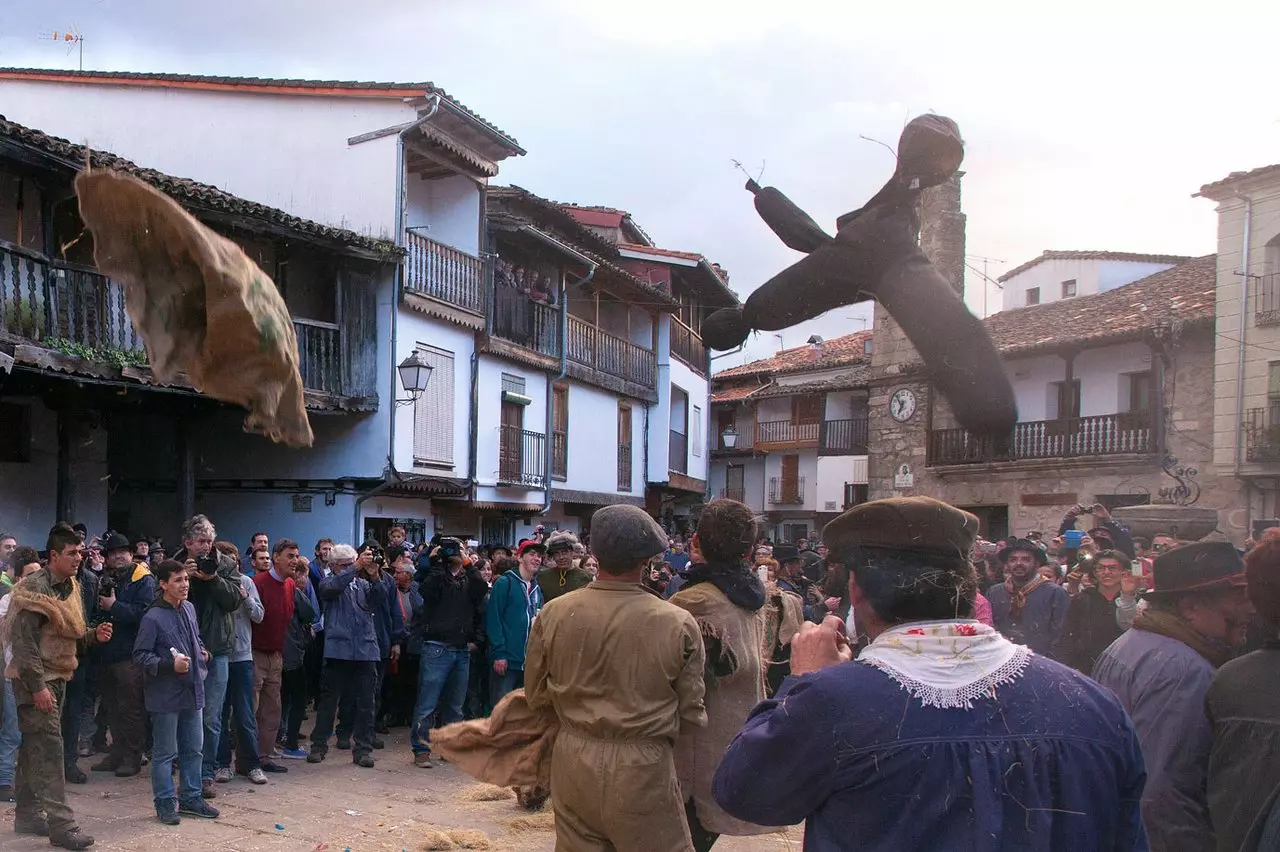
{"x":125,"y":593}
{"x":275,"y":588}
{"x":389,"y":626}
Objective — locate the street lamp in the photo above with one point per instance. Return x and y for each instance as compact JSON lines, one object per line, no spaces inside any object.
{"x":729,"y":437}
{"x":414,"y":375}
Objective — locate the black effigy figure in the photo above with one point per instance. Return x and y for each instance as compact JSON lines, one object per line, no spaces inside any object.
{"x":875,"y":254}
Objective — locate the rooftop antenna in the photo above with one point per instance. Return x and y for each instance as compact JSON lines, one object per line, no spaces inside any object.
{"x":986,"y":279}
{"x":71,"y":38}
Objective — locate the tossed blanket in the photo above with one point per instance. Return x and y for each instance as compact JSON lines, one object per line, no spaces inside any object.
{"x":512,"y":748}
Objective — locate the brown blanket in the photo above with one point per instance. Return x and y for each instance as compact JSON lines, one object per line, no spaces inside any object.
{"x":512,"y":748}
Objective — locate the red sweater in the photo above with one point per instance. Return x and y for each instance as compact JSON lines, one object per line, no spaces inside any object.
{"x":277,"y":612}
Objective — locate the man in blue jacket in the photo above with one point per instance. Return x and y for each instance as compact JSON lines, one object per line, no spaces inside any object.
{"x":125,"y":599}
{"x":513,"y":604}
{"x":390,"y":626}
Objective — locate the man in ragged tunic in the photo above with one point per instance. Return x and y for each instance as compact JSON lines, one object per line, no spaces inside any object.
{"x":45,"y":628}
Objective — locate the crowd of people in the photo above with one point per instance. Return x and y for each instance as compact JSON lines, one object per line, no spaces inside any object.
{"x":1091,"y":690}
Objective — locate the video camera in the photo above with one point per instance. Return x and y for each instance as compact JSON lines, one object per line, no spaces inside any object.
{"x":449,"y":547}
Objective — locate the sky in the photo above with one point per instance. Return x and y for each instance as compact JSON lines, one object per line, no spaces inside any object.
{"x":1088,"y":126}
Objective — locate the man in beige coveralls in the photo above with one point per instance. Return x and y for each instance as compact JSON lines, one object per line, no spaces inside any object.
{"x":623,"y":671}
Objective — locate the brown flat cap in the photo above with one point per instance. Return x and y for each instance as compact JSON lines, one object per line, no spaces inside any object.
{"x":623,"y":535}
{"x":904,"y":523}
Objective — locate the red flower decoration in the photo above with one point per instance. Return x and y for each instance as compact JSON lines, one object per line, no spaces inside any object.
{"x":915,"y":631}
{"x":966,"y":630}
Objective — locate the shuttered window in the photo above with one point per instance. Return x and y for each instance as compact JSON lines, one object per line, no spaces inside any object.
{"x":433,"y":412}
{"x":695,"y":432}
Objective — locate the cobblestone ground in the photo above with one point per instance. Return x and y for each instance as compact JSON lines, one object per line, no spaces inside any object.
{"x":332,"y":807}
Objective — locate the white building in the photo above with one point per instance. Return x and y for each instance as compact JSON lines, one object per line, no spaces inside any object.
{"x":1058,"y":275}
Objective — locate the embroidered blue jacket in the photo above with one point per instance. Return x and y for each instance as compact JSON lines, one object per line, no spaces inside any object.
{"x":1051,"y":764}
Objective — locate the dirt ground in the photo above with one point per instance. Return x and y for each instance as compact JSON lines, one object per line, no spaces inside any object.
{"x":333,"y":807}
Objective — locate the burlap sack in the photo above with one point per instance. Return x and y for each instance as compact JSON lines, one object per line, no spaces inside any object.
{"x":512,"y":748}
{"x":201,"y":305}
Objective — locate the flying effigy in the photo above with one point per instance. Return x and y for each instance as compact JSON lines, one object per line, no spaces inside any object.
{"x":875,"y":254}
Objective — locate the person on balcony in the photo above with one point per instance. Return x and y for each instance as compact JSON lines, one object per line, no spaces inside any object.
{"x":1028,"y":608}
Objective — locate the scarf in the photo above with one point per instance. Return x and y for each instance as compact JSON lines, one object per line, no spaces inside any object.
{"x":947,"y":664}
{"x":740,"y":585}
{"x":1168,"y":624}
{"x":1018,"y":596}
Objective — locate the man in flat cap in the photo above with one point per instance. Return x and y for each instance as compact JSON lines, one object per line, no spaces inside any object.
{"x":1026,"y":607}
{"x":622,"y":670}
{"x":1161,"y":670}
{"x":942,"y":735}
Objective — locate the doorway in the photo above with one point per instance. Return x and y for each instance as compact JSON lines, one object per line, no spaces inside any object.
{"x":993,"y":521}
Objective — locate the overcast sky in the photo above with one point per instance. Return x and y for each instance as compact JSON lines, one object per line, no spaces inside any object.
{"x":1087,"y":128}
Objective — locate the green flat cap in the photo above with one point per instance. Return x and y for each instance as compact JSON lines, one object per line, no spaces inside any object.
{"x":904,"y":523}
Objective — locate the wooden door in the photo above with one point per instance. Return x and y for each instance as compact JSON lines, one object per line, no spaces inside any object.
{"x":510,"y":441}
{"x":790,"y":478}
{"x":624,"y":448}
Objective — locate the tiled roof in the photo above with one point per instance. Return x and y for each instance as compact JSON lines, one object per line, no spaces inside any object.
{"x":1210,"y":189}
{"x":737,"y":392}
{"x":1094,"y":255}
{"x":837,"y":352}
{"x":859,"y":377}
{"x":661,"y":252}
{"x":1185,"y":294}
{"x":598,"y":218}
{"x":190,"y":193}
{"x":349,"y":88}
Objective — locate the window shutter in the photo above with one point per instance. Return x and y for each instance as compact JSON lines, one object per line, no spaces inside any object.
{"x":695,"y":432}
{"x":433,"y":412}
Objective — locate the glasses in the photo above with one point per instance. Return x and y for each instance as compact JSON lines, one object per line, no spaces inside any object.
{"x":1106,"y":566}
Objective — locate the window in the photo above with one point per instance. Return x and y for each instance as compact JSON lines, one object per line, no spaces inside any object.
{"x":15,"y":433}
{"x":513,"y":384}
{"x":511,"y":442}
{"x":792,"y":533}
{"x":791,"y":480}
{"x":624,"y":447}
{"x":1273,"y":392}
{"x":560,"y":432}
{"x":1141,"y":391}
{"x":678,"y":448}
{"x":695,"y":432}
{"x":433,"y":412}
{"x":1033,"y":295}
{"x":735,"y":483}
{"x":1068,"y":288}
{"x":1068,"y":399}
{"x":806,"y":409}
{"x":866,"y":346}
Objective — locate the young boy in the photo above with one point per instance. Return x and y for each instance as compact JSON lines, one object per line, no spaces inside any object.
{"x":173,"y":661}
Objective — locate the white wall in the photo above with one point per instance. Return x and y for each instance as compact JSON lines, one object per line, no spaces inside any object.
{"x":699,"y":395}
{"x":833,"y":472}
{"x":489,"y":414}
{"x":287,"y":151}
{"x":415,"y":329}
{"x":28,"y":491}
{"x":593,"y":442}
{"x":754,"y":485}
{"x":808,"y":472}
{"x":660,"y":413}
{"x":446,"y":210}
{"x":1103,"y":386}
{"x":1092,"y":276}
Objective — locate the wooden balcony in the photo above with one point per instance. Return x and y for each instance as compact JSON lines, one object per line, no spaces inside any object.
{"x":596,"y":348}
{"x":444,"y":273}
{"x":687,"y":345}
{"x":843,"y":438}
{"x":786,"y":492}
{"x":524,"y":322}
{"x":1103,"y":435}
{"x":786,"y":435}
{"x":521,"y":457}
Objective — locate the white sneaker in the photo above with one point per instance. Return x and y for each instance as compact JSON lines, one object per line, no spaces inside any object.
{"x":257,"y":776}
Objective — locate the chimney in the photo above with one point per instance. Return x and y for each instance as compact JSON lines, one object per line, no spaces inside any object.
{"x":815,"y":348}
{"x":942,"y":230}
{"x":724,"y":273}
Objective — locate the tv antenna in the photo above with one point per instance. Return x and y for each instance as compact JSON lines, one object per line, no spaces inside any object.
{"x":986,"y":279}
{"x":71,"y":38}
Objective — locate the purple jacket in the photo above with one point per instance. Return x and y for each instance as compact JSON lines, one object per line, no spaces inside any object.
{"x":164,"y":627}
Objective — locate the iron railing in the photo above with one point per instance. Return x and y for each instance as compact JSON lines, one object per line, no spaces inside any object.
{"x":843,"y":438}
{"x":678,"y":453}
{"x":521,"y":457}
{"x":1102,"y":435}
{"x":1262,"y":434}
{"x":521,"y":320}
{"x":787,"y":432}
{"x":1266,"y":299}
{"x":786,"y":492}
{"x":738,"y":492}
{"x":559,"y":454}
{"x":444,"y":273}
{"x":594,"y":347}
{"x":624,"y":467}
{"x":688,"y":346}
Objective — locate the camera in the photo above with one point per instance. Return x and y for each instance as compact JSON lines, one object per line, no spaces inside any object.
{"x":379,"y":559}
{"x":450,"y":547}
{"x":106,"y":585}
{"x":207,"y":564}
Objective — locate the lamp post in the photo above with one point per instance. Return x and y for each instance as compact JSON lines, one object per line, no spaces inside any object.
{"x":729,"y":437}
{"x":415,"y":373}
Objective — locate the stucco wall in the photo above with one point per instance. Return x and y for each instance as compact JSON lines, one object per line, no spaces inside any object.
{"x":593,"y":442}
{"x":414,"y":330}
{"x":1091,"y":276}
{"x":446,"y":210}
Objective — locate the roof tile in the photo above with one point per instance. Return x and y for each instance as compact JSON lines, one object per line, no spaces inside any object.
{"x":837,"y":352}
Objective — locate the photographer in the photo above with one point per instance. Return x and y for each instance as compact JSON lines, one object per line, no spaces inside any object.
{"x":1091,"y":617}
{"x":1107,"y":532}
{"x":215,"y":595}
{"x":389,"y":625}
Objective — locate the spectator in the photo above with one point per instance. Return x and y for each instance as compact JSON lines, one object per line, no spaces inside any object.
{"x":314,"y":660}
{"x":276,"y":589}
{"x":173,"y":660}
{"x":453,"y":598}
{"x":213,"y":591}
{"x":396,"y":536}
{"x":237,"y":712}
{"x":352,"y":597}
{"x":677,"y":560}
{"x":258,"y":539}
{"x":141,"y":548}
{"x":791,"y":579}
{"x":513,"y":604}
{"x":1091,"y":617}
{"x":390,"y":627}
{"x":561,"y":577}
{"x":126,"y":592}
{"x":1161,"y":670}
{"x":79,"y":695}
{"x":1028,"y":608}
{"x":21,"y":561}
{"x":8,"y":543}
{"x":293,"y":684}
{"x":1108,"y":534}
{"x":403,"y":682}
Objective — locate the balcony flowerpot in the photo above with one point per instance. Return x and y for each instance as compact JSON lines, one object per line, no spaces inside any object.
{"x":1189,"y":523}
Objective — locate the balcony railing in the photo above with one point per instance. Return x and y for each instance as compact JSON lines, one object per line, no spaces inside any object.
{"x":624,"y":467}
{"x":559,"y":455}
{"x":319,"y":355}
{"x":527,"y":323}
{"x":688,"y":346}
{"x":594,"y":347}
{"x":444,"y":273}
{"x":843,"y":438}
{"x":745,"y":440}
{"x":786,"y":492}
{"x":1266,"y":300}
{"x":678,"y":461}
{"x":787,"y":432}
{"x":521,"y":457}
{"x":737,"y":492}
{"x":1108,"y":434}
{"x":1262,"y":434}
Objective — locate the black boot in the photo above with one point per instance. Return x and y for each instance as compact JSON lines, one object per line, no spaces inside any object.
{"x":74,"y":839}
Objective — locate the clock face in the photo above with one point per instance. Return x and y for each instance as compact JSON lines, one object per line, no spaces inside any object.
{"x":902,"y":405}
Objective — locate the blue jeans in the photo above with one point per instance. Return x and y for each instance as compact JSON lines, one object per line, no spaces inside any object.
{"x":238,"y":717}
{"x":176,"y":735}
{"x":10,"y":736}
{"x":442,"y":681}
{"x":500,"y":686}
{"x":215,"y":695}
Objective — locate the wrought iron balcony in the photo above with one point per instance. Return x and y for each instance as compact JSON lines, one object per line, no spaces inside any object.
{"x":786,"y":492}
{"x":737,"y":492}
{"x":521,"y":457}
{"x":1262,"y":434}
{"x":444,"y":273}
{"x":1103,"y":435}
{"x":1266,"y":300}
